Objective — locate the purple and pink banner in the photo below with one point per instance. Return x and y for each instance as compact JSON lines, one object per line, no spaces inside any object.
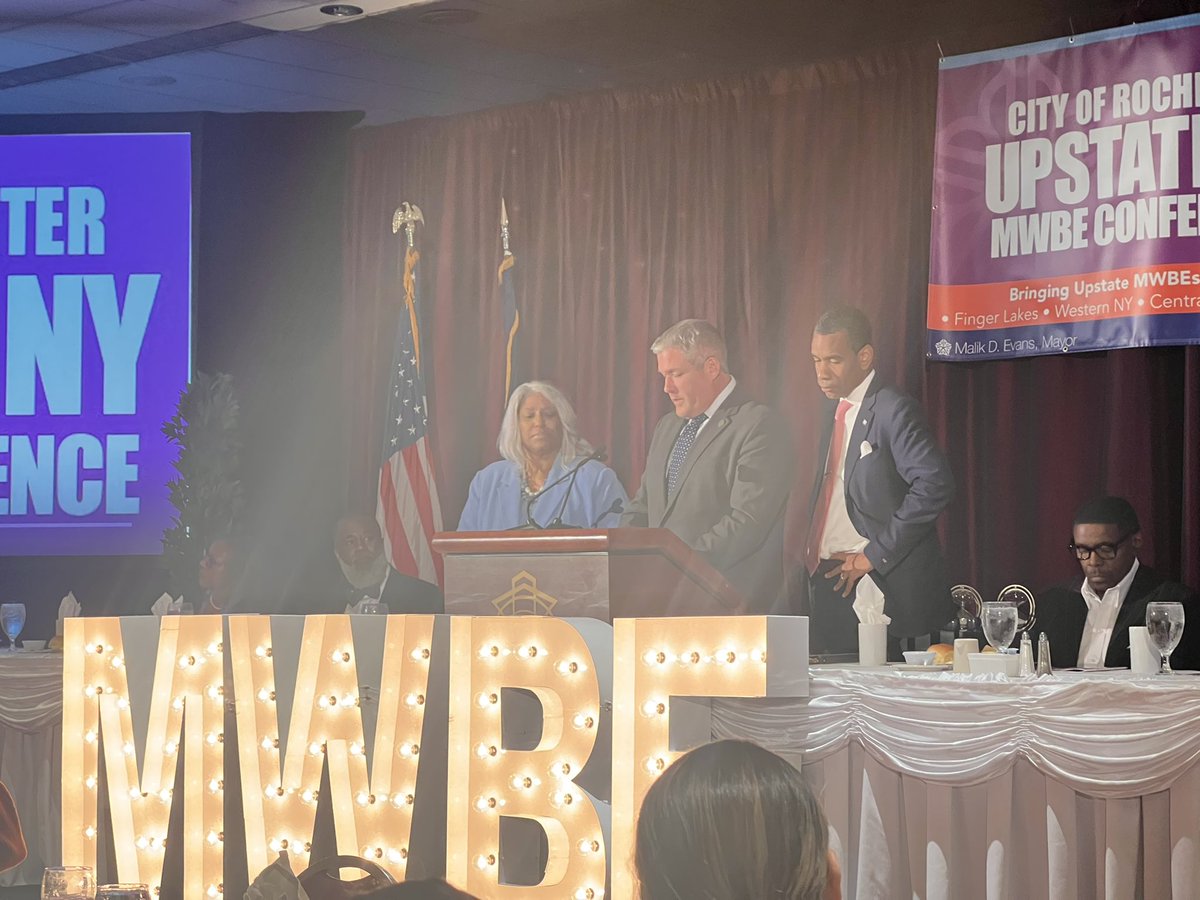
{"x":95,"y":338}
{"x":1066,"y":213}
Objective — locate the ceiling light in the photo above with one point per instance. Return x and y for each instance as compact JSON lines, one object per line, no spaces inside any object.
{"x":342,"y":10}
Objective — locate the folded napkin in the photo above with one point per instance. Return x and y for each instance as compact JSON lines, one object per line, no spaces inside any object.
{"x":276,"y":882}
{"x":69,"y":608}
{"x":165,"y":605}
{"x":868,"y":602}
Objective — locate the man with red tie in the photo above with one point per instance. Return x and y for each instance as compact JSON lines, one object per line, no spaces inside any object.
{"x":881,"y":483}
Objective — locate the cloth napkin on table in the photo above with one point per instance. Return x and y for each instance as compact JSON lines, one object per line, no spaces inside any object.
{"x":165,"y":605}
{"x":276,"y":882}
{"x":69,"y":608}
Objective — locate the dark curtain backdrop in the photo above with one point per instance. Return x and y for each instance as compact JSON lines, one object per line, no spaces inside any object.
{"x":753,"y":201}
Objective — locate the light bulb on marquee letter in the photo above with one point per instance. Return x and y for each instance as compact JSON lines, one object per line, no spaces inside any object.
{"x":140,"y":806}
{"x":656,"y":659}
{"x":551,"y":659}
{"x":279,"y":796}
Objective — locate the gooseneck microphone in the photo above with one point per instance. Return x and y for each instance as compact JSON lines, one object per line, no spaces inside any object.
{"x":556,"y":522}
{"x":617,"y":507}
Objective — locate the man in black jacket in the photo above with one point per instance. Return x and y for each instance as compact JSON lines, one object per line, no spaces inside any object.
{"x":1088,"y":619}
{"x":366,"y":574}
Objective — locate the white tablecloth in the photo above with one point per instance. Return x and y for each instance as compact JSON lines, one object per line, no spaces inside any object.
{"x":31,"y":754}
{"x":946,"y":787}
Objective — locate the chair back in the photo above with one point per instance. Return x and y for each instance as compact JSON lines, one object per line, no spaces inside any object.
{"x":322,"y":880}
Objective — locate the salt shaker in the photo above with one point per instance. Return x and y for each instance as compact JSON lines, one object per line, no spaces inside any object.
{"x":1025,"y":666}
{"x":1043,"y":662}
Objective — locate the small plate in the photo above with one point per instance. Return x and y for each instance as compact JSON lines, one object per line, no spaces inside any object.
{"x":905,"y":667}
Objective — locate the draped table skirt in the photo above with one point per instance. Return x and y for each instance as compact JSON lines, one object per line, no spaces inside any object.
{"x":31,"y":755}
{"x":943,"y":787}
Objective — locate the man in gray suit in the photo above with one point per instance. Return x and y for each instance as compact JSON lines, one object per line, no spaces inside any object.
{"x":719,"y":469}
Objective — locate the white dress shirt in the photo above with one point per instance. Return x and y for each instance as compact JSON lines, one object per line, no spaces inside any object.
{"x":840,"y":533}
{"x":1101,"y":619}
{"x":716,"y":404}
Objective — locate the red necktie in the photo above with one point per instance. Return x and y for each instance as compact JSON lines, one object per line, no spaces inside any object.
{"x":817,"y":528}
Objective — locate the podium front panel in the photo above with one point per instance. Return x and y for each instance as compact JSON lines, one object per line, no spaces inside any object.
{"x":516,"y":584}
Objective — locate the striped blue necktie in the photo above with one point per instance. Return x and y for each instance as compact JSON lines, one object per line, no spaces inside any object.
{"x":679,"y":452}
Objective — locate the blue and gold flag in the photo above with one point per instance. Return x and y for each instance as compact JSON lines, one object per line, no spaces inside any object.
{"x":508,"y":297}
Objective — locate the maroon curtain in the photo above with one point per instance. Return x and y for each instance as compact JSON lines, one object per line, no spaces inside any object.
{"x":753,"y":201}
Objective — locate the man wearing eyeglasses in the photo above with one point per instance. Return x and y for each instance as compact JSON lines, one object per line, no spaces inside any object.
{"x":1088,"y":623}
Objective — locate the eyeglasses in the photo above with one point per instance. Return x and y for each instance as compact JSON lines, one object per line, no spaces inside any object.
{"x":1102,"y":551}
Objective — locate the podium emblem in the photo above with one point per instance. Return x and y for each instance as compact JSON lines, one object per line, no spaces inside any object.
{"x":524,"y":599}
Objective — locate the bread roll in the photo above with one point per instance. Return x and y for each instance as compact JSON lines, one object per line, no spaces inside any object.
{"x":945,"y":654}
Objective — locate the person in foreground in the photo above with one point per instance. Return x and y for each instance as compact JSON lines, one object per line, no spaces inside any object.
{"x":1087,"y":620}
{"x":549,"y":476}
{"x":718,"y":470}
{"x":367,"y":576}
{"x":732,"y":821}
{"x":881,"y":483}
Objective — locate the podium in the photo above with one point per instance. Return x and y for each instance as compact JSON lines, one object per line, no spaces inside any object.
{"x":596,"y":573}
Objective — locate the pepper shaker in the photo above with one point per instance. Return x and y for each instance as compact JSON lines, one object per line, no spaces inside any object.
{"x":1043,"y":662}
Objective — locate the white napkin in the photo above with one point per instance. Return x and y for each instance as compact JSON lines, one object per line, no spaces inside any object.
{"x":69,"y":608}
{"x":276,"y":882}
{"x":868,"y":602}
{"x":165,"y":605}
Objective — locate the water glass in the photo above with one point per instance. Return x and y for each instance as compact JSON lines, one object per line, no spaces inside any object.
{"x":1164,"y":625}
{"x":1000,"y":624}
{"x":68,"y":883}
{"x":12,"y":620}
{"x":123,"y":892}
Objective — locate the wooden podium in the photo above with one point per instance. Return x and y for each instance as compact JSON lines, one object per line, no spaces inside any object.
{"x":601,"y":574}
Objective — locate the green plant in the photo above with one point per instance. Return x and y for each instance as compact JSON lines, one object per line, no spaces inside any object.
{"x":207,"y":495}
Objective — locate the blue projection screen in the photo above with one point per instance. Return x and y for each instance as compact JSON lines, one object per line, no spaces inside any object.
{"x":95,"y":338}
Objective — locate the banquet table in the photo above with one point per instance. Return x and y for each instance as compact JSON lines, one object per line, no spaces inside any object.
{"x":1076,"y":786}
{"x":31,"y":754}
{"x":937,"y":786}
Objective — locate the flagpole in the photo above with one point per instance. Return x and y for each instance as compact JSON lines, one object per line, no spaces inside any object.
{"x":512,"y":315}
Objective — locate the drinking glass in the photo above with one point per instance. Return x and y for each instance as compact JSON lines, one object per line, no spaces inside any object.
{"x":1164,"y":624}
{"x":1000,"y":624}
{"x":12,"y":619}
{"x":123,"y":892}
{"x":68,"y":883}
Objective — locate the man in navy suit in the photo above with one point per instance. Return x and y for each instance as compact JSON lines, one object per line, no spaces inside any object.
{"x":881,"y":483}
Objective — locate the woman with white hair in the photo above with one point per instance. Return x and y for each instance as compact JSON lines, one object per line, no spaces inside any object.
{"x":543,"y":455}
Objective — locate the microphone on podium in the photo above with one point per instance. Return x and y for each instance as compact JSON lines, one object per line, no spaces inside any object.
{"x":617,"y":507}
{"x":557,"y":521}
{"x":530,"y":522}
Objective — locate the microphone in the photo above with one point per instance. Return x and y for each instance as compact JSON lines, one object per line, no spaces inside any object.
{"x":557,"y":521}
{"x":617,"y":507}
{"x":530,"y":521}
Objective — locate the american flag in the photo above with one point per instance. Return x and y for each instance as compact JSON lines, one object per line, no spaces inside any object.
{"x":408,"y":508}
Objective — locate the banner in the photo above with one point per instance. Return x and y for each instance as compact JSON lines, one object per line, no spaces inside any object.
{"x":1065,"y":205}
{"x":95,"y":338}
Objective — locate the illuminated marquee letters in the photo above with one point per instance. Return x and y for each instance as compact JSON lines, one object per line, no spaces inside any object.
{"x":297,"y":694}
